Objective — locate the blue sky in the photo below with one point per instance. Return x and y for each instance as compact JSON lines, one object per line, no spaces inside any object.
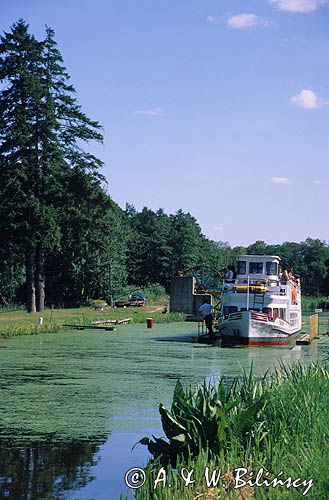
{"x":217,"y":107}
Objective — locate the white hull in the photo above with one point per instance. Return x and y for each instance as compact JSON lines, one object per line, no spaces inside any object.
{"x":253,"y":328}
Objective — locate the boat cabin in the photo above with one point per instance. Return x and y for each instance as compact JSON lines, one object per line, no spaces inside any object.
{"x":257,"y":267}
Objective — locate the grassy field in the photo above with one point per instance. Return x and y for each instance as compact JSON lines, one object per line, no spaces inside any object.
{"x":277,"y":426}
{"x":19,"y":322}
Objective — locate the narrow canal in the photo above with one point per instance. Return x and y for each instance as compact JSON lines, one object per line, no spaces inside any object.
{"x":73,"y":404}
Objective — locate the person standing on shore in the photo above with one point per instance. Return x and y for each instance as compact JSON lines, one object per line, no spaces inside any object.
{"x":206,"y":310}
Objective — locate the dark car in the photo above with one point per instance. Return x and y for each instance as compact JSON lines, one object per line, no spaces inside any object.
{"x":134,"y":300}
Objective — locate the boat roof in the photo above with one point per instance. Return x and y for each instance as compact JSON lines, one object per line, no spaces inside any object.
{"x":260,"y":257}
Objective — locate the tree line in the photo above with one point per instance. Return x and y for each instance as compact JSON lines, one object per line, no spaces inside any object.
{"x":64,"y":240}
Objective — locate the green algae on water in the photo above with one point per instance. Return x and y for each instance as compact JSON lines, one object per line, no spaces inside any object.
{"x":80,"y":385}
{"x":53,"y":389}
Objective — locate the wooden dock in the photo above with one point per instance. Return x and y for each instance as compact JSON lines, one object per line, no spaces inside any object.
{"x":105,"y":322}
{"x":307,"y":338}
{"x":304,"y":339}
{"x":90,"y":327}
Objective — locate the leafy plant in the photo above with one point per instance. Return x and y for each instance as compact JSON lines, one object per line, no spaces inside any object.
{"x":208,"y":417}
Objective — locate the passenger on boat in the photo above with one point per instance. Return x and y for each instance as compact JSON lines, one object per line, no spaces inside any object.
{"x":294,"y":299}
{"x":291,"y":275}
{"x":288,"y":277}
{"x":284,"y":277}
{"x":206,"y":310}
{"x":279,"y":279}
{"x":230,"y":273}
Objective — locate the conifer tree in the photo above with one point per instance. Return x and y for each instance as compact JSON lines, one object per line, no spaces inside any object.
{"x":19,"y":53}
{"x":42,"y":129}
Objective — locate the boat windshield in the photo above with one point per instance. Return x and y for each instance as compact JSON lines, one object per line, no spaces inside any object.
{"x":255,"y":267}
{"x":271,"y":268}
{"x":241,"y":267}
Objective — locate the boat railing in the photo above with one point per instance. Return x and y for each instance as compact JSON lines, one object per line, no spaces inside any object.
{"x":252,"y":280}
{"x":256,"y":286}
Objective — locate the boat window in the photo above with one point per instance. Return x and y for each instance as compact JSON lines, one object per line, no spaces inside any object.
{"x":271,"y":268}
{"x":275,"y":313}
{"x":232,"y":309}
{"x":241,"y":267}
{"x":255,"y":267}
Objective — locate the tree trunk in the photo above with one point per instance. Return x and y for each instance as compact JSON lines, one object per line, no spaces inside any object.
{"x":30,"y":283}
{"x":40,"y":278}
{"x":3,"y":300}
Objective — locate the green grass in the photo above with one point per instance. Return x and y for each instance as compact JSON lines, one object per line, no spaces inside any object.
{"x":310,"y":303}
{"x":290,"y":433}
{"x":19,"y":322}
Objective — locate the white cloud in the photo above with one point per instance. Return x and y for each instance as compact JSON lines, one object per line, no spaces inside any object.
{"x":218,"y":228}
{"x":303,"y":6}
{"x":321,"y":183}
{"x":281,"y":180}
{"x":151,"y":112}
{"x":211,"y":19}
{"x":246,"y":21}
{"x":308,"y":99}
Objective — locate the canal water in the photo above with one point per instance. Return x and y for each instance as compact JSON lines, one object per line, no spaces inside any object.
{"x":73,"y":404}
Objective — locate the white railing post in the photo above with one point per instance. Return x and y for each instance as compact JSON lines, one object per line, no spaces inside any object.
{"x":248,"y":293}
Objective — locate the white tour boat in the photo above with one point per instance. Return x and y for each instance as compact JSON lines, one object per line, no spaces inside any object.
{"x":258,"y":307}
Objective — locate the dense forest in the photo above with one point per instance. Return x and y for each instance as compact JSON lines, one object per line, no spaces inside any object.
{"x":64,"y":241}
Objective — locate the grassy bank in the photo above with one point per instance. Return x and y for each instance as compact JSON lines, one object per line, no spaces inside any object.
{"x":19,"y":322}
{"x":310,"y":303}
{"x":278,"y":426}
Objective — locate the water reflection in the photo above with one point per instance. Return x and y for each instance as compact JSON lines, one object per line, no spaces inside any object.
{"x":46,"y":470}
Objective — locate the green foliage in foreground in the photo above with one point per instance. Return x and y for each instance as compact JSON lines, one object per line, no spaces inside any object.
{"x":288,"y":432}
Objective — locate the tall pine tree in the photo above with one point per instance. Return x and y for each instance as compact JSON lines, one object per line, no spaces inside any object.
{"x":19,"y":54}
{"x":42,"y":132}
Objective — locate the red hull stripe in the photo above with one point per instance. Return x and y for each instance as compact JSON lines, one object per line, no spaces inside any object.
{"x":268,"y":342}
{"x":253,"y":342}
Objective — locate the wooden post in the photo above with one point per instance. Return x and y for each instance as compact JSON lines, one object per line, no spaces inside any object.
{"x":314,"y":326}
